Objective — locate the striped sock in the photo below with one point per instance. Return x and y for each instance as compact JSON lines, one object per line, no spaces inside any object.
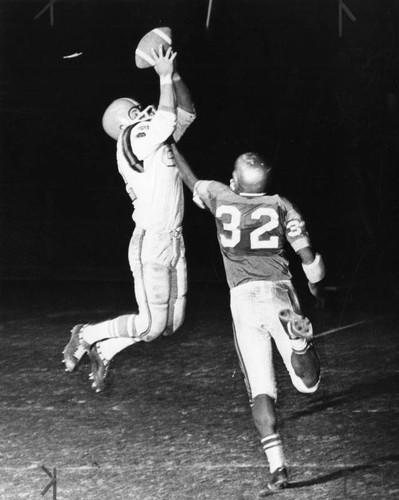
{"x":273,"y":448}
{"x":120,"y":327}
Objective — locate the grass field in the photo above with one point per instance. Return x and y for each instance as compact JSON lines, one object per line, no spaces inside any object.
{"x":174,"y":421}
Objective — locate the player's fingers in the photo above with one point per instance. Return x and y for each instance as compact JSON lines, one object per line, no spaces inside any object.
{"x":173,"y":56}
{"x":154,"y":54}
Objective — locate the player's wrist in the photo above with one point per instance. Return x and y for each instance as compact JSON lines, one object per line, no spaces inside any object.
{"x":165,"y":79}
{"x":315,"y":271}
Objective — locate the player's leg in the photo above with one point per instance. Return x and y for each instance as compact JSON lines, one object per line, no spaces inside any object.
{"x":306,"y":365}
{"x":83,"y":337}
{"x":131,"y":326}
{"x":178,"y":292}
{"x":161,"y":295}
{"x":250,"y":307}
{"x":152,"y":288}
{"x":265,"y":418}
{"x":293,"y":335}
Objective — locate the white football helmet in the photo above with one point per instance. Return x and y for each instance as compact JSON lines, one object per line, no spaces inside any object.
{"x":124,"y":112}
{"x":251,"y":174}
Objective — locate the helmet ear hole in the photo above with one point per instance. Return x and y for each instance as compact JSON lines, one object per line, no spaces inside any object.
{"x":134,"y":111}
{"x":116,"y":116}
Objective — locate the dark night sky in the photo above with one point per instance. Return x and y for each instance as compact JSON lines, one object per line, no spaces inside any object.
{"x":269,"y":75}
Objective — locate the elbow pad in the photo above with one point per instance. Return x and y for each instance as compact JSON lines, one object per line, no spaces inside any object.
{"x":315,"y":271}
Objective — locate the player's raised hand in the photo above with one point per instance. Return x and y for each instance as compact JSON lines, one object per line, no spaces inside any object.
{"x":164,"y":62}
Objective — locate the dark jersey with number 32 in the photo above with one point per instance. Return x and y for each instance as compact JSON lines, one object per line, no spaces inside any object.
{"x":252,"y":231}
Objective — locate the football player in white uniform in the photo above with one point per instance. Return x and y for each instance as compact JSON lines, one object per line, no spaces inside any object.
{"x":252,"y":228}
{"x":156,"y":251}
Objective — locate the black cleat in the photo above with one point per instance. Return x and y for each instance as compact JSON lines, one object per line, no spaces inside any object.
{"x":295,"y":325}
{"x":278,"y":482}
{"x":75,"y":349}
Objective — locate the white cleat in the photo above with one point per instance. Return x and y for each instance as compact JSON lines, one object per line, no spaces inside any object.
{"x":99,"y":368}
{"x":295,"y":325}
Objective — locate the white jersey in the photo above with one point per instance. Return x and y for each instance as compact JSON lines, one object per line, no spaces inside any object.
{"x":148,"y":168}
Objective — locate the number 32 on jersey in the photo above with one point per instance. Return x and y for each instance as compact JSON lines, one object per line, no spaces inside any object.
{"x":259,"y":237}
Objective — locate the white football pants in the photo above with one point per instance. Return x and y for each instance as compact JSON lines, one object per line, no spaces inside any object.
{"x":255,"y":306}
{"x":158,"y":264}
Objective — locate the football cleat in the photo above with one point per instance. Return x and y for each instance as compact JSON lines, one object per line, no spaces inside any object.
{"x":295,"y":325}
{"x":99,"y":368}
{"x":75,"y":349}
{"x":278,"y":481}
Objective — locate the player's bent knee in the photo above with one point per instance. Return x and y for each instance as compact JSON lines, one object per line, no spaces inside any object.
{"x":157,"y":328}
{"x":153,"y":333}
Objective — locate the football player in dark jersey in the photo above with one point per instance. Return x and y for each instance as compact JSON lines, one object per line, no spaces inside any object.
{"x":252,"y":228}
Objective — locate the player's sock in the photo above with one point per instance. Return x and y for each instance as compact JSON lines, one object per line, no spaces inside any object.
{"x":111,"y":347}
{"x":273,"y":448}
{"x":299,"y":345}
{"x":120,"y":327}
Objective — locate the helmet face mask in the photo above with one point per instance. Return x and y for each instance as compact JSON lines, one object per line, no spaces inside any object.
{"x":137,"y":114}
{"x":124,"y":112}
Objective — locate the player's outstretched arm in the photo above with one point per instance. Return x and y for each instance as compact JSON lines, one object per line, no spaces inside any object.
{"x":314,"y":269}
{"x":164,"y":66}
{"x":183,"y":95}
{"x":188,"y":176}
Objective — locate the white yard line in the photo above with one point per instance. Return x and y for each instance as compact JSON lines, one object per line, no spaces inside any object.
{"x":196,"y":465}
{"x":351,"y":325}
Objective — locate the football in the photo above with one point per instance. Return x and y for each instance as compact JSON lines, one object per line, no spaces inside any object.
{"x":152,"y":40}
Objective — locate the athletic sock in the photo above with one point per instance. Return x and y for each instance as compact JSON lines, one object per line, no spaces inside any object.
{"x":111,"y":347}
{"x":299,"y":345}
{"x":120,"y":327}
{"x":273,"y":448}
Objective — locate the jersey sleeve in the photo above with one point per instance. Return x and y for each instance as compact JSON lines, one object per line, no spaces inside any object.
{"x":206,"y":192}
{"x":184,"y":120}
{"x":147,"y":136}
{"x":295,"y":228}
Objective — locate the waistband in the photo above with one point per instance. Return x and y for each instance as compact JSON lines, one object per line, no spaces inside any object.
{"x":175,"y":233}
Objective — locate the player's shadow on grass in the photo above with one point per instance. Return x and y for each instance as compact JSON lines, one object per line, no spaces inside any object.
{"x":343,"y":473}
{"x":357,"y":392}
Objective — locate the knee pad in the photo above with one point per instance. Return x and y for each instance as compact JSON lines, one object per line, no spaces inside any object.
{"x":154,"y":324}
